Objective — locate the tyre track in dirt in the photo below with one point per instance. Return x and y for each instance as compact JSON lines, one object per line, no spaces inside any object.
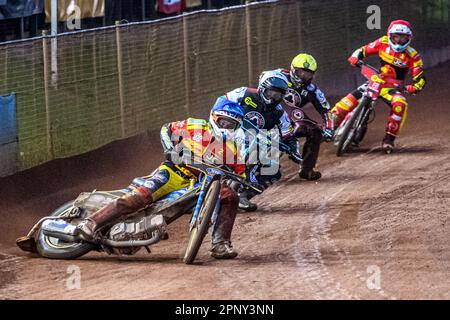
{"x":401,"y":225}
{"x":344,"y":252}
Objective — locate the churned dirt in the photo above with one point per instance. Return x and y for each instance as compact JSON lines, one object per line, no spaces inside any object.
{"x":374,"y":227}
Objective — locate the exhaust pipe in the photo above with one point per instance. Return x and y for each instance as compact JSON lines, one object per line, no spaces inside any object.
{"x":60,"y":229}
{"x":67,"y":232}
{"x":156,"y":236}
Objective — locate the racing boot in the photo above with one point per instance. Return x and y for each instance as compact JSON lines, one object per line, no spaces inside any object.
{"x":310,"y":154}
{"x":341,"y":108}
{"x":309,"y":174}
{"x":245,"y":203}
{"x":388,"y":143}
{"x":223,"y":250}
{"x":221,"y":244}
{"x":89,"y":227}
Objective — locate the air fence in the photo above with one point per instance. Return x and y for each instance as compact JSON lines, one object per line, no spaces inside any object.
{"x":78,"y":91}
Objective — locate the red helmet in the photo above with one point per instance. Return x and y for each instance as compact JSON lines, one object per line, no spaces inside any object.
{"x":399,"y":34}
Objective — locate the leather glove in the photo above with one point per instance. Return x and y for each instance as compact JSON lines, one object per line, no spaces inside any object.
{"x":411,"y":89}
{"x":259,"y":187}
{"x":353,"y":60}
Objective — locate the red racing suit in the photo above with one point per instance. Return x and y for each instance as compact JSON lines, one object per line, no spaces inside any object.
{"x":189,"y":140}
{"x":403,"y":62}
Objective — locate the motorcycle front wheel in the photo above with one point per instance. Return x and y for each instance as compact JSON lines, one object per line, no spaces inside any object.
{"x":350,"y":128}
{"x":200,"y":229}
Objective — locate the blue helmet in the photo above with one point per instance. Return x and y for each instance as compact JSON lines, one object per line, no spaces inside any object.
{"x":226,"y":116}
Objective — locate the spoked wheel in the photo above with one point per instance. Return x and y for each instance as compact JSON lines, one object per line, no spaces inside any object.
{"x":200,"y":229}
{"x":350,"y":128}
{"x":54,"y":248}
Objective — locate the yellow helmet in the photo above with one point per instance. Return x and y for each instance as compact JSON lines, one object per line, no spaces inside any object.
{"x":302,"y":70}
{"x":305,"y":61}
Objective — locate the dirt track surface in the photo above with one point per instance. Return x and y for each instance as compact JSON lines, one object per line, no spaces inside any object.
{"x":327,"y":240}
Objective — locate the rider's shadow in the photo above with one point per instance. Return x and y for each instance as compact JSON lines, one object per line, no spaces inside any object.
{"x":403,"y":150}
{"x":153,"y":258}
{"x":416,"y":149}
{"x":265,"y":258}
{"x":267,"y":209}
{"x":397,"y":150}
{"x":362,"y":150}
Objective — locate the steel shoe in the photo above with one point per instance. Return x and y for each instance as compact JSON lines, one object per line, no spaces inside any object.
{"x":223,"y":250}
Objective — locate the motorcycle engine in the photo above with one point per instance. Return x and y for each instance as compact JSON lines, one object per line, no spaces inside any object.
{"x":132,"y":230}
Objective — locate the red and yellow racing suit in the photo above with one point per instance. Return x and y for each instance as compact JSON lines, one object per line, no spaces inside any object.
{"x":403,"y":62}
{"x":192,"y":136}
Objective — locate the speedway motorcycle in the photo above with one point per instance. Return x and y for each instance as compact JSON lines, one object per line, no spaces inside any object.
{"x":353,"y":128}
{"x":56,"y":236}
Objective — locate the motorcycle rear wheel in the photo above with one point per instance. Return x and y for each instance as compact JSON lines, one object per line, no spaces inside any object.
{"x":53,"y":248}
{"x":201,"y":227}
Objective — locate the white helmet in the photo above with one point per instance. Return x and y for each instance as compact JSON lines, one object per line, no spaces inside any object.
{"x":399,"y":28}
{"x":272,"y":87}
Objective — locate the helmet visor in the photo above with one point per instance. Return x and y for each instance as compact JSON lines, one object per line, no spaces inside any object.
{"x":400,"y":38}
{"x":303,"y":75}
{"x":274,"y":94}
{"x":227,"y":123}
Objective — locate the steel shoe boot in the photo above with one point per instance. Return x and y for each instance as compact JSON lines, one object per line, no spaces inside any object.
{"x":310,"y":175}
{"x":388,"y":144}
{"x":223,"y":250}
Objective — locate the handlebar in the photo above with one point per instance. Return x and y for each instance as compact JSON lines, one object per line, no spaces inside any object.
{"x":361,"y":63}
{"x":224,"y":170}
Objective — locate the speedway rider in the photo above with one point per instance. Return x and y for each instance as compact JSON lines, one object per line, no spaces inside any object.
{"x":394,"y":51}
{"x":262,"y":110}
{"x":303,"y":92}
{"x":204,"y":140}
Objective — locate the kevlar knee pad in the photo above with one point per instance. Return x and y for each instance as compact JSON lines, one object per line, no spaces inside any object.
{"x":342,"y":107}
{"x":397,"y":116}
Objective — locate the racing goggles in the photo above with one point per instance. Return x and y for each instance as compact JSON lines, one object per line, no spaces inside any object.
{"x":227,"y":123}
{"x":400,"y":38}
{"x":274,"y":94}
{"x":304,"y":75}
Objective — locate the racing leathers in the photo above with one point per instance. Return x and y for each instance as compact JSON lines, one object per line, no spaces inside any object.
{"x":182,"y":141}
{"x":294,"y":101}
{"x":259,"y":116}
{"x":403,"y":62}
